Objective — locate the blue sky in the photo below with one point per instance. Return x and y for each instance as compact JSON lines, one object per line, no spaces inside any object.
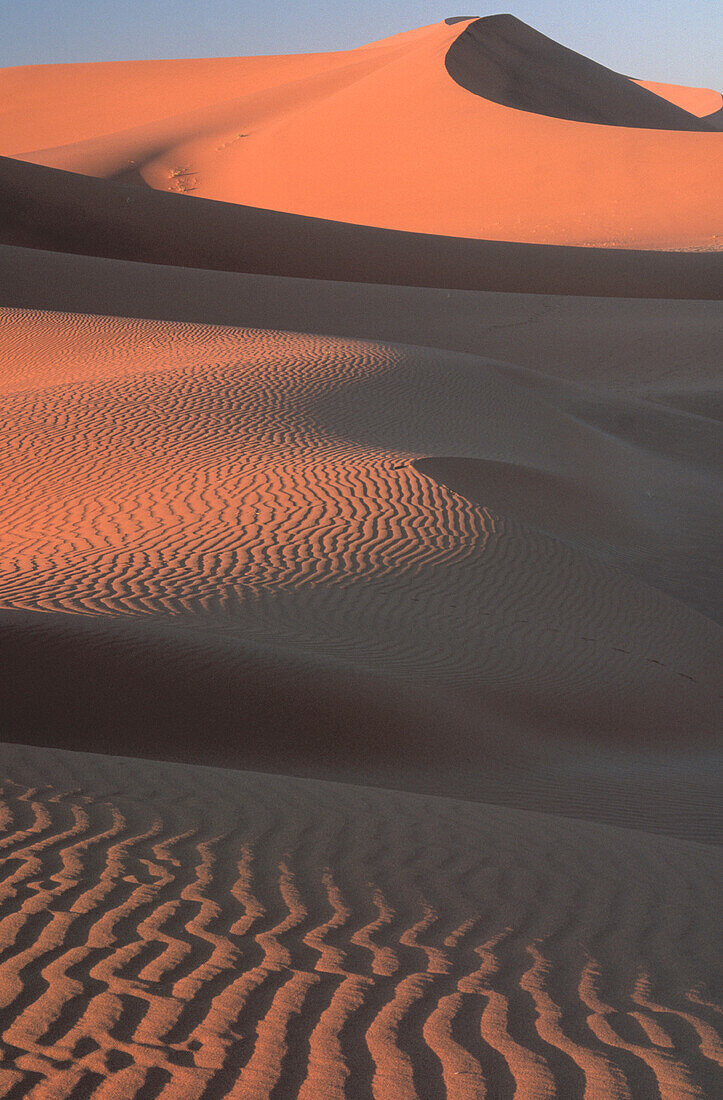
{"x":667,"y":40}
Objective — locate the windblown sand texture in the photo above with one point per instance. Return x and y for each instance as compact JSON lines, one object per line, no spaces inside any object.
{"x":360,"y":576}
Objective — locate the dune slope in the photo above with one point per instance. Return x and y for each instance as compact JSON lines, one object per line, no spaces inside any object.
{"x":704,"y":103}
{"x":360,"y":556}
{"x":246,"y":506}
{"x":582,"y":339}
{"x":384,"y":136}
{"x":62,"y":211}
{"x":503,"y":60}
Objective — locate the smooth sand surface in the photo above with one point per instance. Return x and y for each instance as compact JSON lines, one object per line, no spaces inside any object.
{"x":62,"y":211}
{"x":360,"y":644}
{"x":384,"y":136}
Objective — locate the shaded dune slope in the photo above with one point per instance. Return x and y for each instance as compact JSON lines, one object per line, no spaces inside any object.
{"x":383,"y":136}
{"x":191,"y":933}
{"x":245,"y":512}
{"x":716,"y":119}
{"x":46,"y":208}
{"x":584,"y":516}
{"x":580,"y":339}
{"x":704,"y":103}
{"x":505,"y":61}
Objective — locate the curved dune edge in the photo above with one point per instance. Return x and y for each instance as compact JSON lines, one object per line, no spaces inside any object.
{"x":501,"y":59}
{"x":584,"y":340}
{"x":242,"y":558}
{"x":62,"y":211}
{"x":704,"y":103}
{"x":228,"y":934}
{"x":558,"y":505}
{"x":586,"y":515}
{"x":383,"y":136}
{"x":382,"y":570}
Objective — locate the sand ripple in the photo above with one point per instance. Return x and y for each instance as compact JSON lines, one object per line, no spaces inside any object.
{"x":249,"y":955}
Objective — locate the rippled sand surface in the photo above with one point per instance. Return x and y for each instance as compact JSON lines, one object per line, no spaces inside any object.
{"x":180,"y":931}
{"x":360,"y":609}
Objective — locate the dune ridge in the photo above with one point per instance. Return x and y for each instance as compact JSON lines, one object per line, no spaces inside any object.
{"x":503,"y":60}
{"x":384,"y":136}
{"x":704,"y":103}
{"x":62,"y":211}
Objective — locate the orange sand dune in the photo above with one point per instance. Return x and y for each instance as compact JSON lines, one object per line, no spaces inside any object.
{"x":47,"y":208}
{"x":232,"y":492}
{"x":371,"y":530}
{"x":503,"y":60}
{"x":381,"y":136}
{"x":701,"y":102}
{"x":77,"y":102}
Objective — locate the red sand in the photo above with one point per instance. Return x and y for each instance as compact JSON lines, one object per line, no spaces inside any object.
{"x":204,"y":932}
{"x":444,"y":557}
{"x":698,"y":101}
{"x":380,"y":136}
{"x":47,"y":208}
{"x":261,"y":477}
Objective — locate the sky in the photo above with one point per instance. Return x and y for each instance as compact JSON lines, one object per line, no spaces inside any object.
{"x":675,"y":41}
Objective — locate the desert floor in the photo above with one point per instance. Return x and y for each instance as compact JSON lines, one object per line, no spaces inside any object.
{"x":359,"y":580}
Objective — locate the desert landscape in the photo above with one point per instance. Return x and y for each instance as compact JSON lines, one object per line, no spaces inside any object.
{"x":360,"y":605}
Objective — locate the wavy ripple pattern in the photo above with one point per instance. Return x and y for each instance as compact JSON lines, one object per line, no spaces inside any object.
{"x":262,"y":481}
{"x":249,"y":954}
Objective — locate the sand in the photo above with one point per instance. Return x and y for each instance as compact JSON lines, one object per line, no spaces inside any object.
{"x":704,"y":103}
{"x":383,"y":136}
{"x":54,"y":210}
{"x":360,"y":619}
{"x":251,"y":561}
{"x":503,"y":60}
{"x":192,"y":932}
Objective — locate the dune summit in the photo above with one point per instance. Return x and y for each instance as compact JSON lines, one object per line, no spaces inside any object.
{"x":478,"y":128}
{"x":360,"y":557}
{"x":503,"y":60}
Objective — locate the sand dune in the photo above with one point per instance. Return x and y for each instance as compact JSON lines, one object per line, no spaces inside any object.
{"x":189,"y":932}
{"x":567,"y":509}
{"x":503,"y":60}
{"x":704,"y":103}
{"x":62,"y":211}
{"x":318,"y":136}
{"x":250,"y":492}
{"x":585,"y":340}
{"x":360,"y":610}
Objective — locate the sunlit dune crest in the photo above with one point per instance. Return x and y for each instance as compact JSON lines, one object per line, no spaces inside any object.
{"x":701,"y":102}
{"x":385,"y":136}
